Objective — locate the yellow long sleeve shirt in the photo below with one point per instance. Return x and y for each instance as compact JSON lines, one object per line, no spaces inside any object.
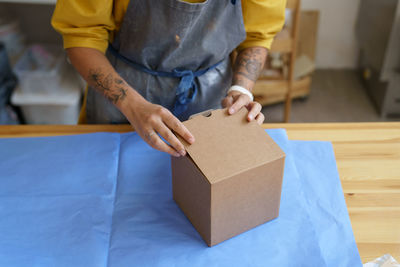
{"x":93,"y":23}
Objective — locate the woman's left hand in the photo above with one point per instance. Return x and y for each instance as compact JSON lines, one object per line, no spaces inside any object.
{"x":235,"y":100}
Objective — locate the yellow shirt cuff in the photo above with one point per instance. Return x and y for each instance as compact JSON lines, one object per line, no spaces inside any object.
{"x":253,"y":43}
{"x":81,"y":41}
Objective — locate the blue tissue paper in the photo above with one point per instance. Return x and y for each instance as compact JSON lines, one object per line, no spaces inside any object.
{"x":105,"y":199}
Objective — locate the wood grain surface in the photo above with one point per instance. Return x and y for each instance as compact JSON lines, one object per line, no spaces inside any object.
{"x":368,"y":160}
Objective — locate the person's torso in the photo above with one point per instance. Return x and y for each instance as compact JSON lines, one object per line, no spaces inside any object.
{"x":167,"y":34}
{"x":171,"y":35}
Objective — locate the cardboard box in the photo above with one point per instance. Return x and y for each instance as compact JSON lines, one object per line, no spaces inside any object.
{"x":231,"y":179}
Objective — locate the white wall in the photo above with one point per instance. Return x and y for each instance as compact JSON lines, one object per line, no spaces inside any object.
{"x":336,"y":45}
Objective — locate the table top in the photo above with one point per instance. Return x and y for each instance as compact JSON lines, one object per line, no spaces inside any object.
{"x":368,"y":159}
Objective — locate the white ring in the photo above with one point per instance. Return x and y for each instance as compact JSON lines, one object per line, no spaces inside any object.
{"x":242,"y":90}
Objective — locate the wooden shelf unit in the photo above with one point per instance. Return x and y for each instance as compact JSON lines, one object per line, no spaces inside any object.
{"x":268,"y":91}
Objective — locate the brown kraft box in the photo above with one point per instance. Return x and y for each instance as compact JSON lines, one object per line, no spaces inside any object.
{"x":231,"y":179}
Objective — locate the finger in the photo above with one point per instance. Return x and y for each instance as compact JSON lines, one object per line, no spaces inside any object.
{"x":260,"y":118}
{"x":254,"y":110}
{"x":152,"y":138}
{"x":227,"y":101}
{"x":165,"y":132}
{"x":241,"y":101}
{"x":173,"y":123}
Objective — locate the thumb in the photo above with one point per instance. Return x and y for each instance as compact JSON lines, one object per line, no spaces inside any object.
{"x":227,"y":101}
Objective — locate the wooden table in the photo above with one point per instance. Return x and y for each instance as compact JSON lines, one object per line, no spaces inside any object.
{"x":368,"y":159}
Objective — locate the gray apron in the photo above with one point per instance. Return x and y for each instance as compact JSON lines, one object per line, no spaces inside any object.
{"x":169,"y":36}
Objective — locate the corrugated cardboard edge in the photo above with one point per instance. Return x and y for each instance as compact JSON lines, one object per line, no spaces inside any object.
{"x":215,"y":240}
{"x":244,"y":112}
{"x":280,"y":156}
{"x":202,"y":225}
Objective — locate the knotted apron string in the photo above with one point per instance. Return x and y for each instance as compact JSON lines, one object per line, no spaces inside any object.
{"x":184,"y":95}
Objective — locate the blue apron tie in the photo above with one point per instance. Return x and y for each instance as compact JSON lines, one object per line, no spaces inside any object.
{"x":187,"y":88}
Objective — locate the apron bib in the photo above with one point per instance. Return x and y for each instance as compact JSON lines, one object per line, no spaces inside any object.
{"x":171,"y":36}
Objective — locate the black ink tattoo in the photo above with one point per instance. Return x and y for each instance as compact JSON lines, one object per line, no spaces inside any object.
{"x":119,"y":96}
{"x":100,"y":82}
{"x":119,"y":81}
{"x":107,"y":83}
{"x":238,"y":80}
{"x":249,"y":64}
{"x":104,"y":83}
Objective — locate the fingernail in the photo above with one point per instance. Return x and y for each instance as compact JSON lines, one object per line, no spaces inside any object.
{"x":231,"y":110}
{"x":251,"y":117}
{"x":176,"y":154}
{"x":191,"y":140}
{"x":182,"y":152}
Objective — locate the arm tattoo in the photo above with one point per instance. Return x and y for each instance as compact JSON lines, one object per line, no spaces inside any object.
{"x":119,"y":95}
{"x":110,"y":87}
{"x":248,"y":66}
{"x":119,"y":81}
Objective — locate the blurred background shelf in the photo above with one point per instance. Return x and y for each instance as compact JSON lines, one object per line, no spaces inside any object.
{"x":25,"y":24}
{"x":277,"y":90}
{"x":283,"y":42}
{"x":272,"y":89}
{"x":379,"y":54}
{"x":334,"y":92}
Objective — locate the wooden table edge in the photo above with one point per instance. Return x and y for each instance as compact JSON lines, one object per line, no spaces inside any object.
{"x":53,"y":130}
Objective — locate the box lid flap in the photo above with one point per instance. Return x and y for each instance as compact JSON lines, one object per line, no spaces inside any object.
{"x":227,"y":145}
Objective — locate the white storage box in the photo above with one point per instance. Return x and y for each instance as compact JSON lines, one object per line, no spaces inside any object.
{"x":40,"y":69}
{"x":61,"y":107}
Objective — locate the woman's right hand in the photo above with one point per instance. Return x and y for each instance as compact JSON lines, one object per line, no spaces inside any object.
{"x":151,"y":121}
{"x":148,"y":119}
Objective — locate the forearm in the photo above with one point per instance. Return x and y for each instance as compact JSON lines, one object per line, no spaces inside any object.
{"x":95,"y":68}
{"x":248,"y":66}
